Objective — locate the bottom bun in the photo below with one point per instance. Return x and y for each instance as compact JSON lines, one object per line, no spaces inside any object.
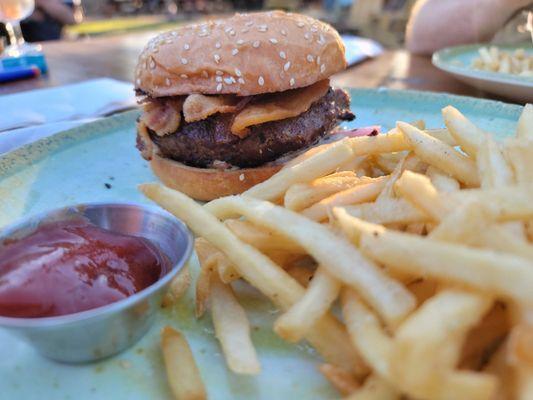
{"x":207,"y":183}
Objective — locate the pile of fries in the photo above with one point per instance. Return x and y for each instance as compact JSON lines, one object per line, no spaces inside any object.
{"x":493,"y":59}
{"x":423,"y":239}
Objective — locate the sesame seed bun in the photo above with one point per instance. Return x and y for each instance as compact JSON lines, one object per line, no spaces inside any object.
{"x":246,"y":54}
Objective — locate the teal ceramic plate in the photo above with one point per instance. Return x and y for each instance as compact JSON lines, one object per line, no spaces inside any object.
{"x":457,"y":61}
{"x":98,"y":162}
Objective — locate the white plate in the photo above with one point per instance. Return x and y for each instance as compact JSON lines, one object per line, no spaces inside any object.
{"x":457,"y":61}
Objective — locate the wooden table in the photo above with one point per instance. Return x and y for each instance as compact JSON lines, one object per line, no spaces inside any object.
{"x":116,"y":56}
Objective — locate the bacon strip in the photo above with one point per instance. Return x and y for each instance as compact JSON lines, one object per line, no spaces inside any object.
{"x":278,"y":106}
{"x":198,"y":106}
{"x":163,"y":116}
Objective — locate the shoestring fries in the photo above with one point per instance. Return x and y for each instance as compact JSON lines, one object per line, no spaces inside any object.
{"x":422,"y":237}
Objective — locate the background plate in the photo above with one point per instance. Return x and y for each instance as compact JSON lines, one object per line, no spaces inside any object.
{"x":75,"y":166}
{"x":457,"y":61}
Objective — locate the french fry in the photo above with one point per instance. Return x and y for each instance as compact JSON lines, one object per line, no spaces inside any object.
{"x":375,"y":388}
{"x":388,"y":189}
{"x":342,"y":380}
{"x":428,"y":344}
{"x":419,"y":191}
{"x":326,"y":162}
{"x":492,"y":168}
{"x":232,"y":329}
{"x":390,"y":299}
{"x":467,"y":135}
{"x":207,"y":256}
{"x":178,"y":286}
{"x":439,"y":154}
{"x":473,"y":224}
{"x":502,"y":274}
{"x":442,"y":182}
{"x":366,"y":333}
{"x":302,"y":195}
{"x":524,"y":128}
{"x":355,"y":195}
{"x":442,"y":134}
{"x":519,"y":152}
{"x":317,"y":300}
{"x":390,"y":211}
{"x":182,"y":372}
{"x":315,"y":166}
{"x":261,"y":238}
{"x":327,"y":336}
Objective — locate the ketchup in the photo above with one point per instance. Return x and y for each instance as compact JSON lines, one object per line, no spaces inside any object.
{"x":72,"y":266}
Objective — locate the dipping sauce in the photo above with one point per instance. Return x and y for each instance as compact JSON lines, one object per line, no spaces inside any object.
{"x":72,"y":266}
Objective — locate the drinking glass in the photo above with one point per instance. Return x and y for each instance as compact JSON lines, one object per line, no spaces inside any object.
{"x":11,"y":13}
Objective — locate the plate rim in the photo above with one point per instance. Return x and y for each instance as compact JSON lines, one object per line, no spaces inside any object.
{"x":438,"y":59}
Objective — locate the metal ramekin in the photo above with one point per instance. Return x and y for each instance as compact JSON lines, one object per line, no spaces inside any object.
{"x":104,"y":331}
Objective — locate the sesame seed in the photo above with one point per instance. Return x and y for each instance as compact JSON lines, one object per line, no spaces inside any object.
{"x":168,"y":41}
{"x":284,"y":32}
{"x":234,"y":52}
{"x":262,"y":28}
{"x":249,"y":23}
{"x":203,"y":33}
{"x":186,"y":46}
{"x":138,"y":82}
{"x":184,"y":76}
{"x":282,"y":55}
{"x":205,"y":74}
{"x":219,"y":87}
{"x":229,"y":80}
{"x":321,"y":40}
{"x":232,"y":33}
{"x":241,"y":177}
{"x":240,"y":41}
{"x":273,"y":40}
{"x":261,"y":81}
{"x":307,"y":36}
{"x":287,"y":66}
{"x":322,"y":68}
{"x":228,"y":29}
{"x":218,"y":79}
{"x":291,"y":82}
{"x":152,"y":63}
{"x":184,"y":61}
{"x":300,"y":24}
{"x":167,"y":81}
{"x":217,"y":58}
{"x":219,"y":73}
{"x":244,"y":30}
{"x":218,"y":45}
{"x":314,"y":29}
{"x":238,"y":72}
{"x":255,"y":44}
{"x":310,"y":58}
{"x":174,"y":33}
{"x":318,"y":60}
{"x":241,"y":81}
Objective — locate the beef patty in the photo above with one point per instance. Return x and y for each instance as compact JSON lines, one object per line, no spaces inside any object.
{"x":202,"y":143}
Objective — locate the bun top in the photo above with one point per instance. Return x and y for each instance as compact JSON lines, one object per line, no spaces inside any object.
{"x":246,"y":54}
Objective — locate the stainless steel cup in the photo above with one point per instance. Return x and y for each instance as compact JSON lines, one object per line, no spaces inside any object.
{"x":101,"y":332}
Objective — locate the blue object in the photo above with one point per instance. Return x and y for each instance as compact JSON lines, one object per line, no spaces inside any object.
{"x":16,"y":73}
{"x":28,"y":60}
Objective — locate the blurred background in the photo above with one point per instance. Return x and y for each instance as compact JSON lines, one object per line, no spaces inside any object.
{"x":382,"y":20}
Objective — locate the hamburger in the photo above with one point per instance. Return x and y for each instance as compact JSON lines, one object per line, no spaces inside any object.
{"x":227,"y":102}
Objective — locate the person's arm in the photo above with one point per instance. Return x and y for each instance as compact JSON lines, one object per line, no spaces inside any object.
{"x":59,"y":11}
{"x":435,"y":24}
